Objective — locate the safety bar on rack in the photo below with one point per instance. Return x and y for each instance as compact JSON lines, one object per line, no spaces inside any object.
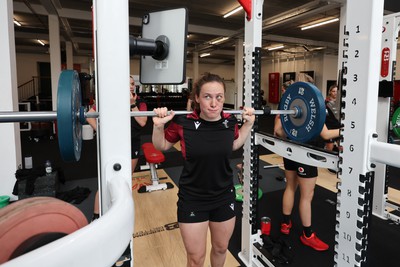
{"x":98,"y":244}
{"x":298,"y":152}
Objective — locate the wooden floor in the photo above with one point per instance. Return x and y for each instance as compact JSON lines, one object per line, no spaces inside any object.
{"x":156,"y":240}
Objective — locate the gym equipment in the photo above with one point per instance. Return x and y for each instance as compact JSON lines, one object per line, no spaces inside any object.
{"x":303,"y":114}
{"x":69,"y":128}
{"x":239,"y":192}
{"x":168,"y":27}
{"x":396,"y":122}
{"x":153,"y":157}
{"x":33,"y":222}
{"x":304,"y":97}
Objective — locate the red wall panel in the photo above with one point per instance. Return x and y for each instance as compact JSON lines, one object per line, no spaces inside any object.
{"x":273,"y":87}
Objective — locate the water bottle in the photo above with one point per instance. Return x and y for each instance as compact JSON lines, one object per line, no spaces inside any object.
{"x":48,"y":167}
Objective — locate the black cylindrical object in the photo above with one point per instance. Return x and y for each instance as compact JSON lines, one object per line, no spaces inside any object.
{"x":158,"y":48}
{"x":141,"y":46}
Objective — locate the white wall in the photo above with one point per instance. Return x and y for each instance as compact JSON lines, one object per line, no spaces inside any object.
{"x":310,"y":62}
{"x":27,"y":65}
{"x":329,"y":71}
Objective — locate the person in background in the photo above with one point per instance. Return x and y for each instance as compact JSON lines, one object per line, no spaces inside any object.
{"x":285,"y":85}
{"x":137,"y":123}
{"x":332,"y":116}
{"x":206,"y":191}
{"x":305,"y":177}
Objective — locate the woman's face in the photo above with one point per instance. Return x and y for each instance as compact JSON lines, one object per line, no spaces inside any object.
{"x":132,"y":85}
{"x":333,"y":93}
{"x":211,"y":100}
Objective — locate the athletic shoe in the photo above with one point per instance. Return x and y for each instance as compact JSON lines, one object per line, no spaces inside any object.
{"x":285,"y":228}
{"x":314,"y":242}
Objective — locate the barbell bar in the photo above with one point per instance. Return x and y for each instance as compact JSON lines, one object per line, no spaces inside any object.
{"x":28,"y":116}
{"x":25,"y":116}
{"x":302,"y":110}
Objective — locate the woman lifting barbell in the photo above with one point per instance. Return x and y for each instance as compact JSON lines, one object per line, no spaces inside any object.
{"x":304,"y":176}
{"x":206,"y":191}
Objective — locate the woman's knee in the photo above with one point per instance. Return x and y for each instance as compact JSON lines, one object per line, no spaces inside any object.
{"x":220,"y":247}
{"x":307,"y":195}
{"x":197,"y":259}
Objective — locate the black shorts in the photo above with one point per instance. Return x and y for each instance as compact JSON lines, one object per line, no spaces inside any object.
{"x":219,"y":214}
{"x":303,"y":170}
{"x":135,"y":148}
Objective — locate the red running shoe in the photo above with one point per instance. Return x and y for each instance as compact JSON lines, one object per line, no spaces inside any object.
{"x":314,"y":242}
{"x":285,"y":228}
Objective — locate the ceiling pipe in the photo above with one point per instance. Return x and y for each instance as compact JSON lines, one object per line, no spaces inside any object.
{"x":326,"y":6}
{"x":292,"y":15}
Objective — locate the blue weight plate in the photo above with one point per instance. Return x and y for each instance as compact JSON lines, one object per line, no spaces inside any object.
{"x":69,"y":128}
{"x":307,"y":98}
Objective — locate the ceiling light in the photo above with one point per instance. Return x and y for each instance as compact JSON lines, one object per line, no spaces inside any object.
{"x":219,"y":40}
{"x":317,"y":24}
{"x":205,"y":55}
{"x":275,"y":47}
{"x":16,"y":22}
{"x":41,"y":42}
{"x":232,"y":12}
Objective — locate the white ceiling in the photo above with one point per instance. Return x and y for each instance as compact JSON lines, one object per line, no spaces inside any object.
{"x":281,"y":21}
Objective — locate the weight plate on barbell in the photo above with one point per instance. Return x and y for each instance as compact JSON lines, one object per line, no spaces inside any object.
{"x":396,"y":122}
{"x":69,"y":128}
{"x":308,"y":100}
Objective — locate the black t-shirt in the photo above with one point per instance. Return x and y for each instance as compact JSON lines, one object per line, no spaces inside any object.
{"x":331,"y":121}
{"x":206,"y":179}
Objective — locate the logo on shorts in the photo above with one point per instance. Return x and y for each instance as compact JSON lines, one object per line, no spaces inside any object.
{"x":197,"y":124}
{"x":192,"y":214}
{"x":232,"y":206}
{"x":301,"y":170}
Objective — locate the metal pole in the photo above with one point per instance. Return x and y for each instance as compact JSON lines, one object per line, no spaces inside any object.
{"x":24,"y":116}
{"x":28,"y":116}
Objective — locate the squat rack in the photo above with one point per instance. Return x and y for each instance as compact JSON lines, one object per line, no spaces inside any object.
{"x":359,"y":62}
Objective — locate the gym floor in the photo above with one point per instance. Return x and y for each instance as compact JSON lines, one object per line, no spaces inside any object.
{"x":81,"y":177}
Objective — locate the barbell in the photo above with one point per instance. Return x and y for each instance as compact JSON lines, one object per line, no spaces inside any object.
{"x":301,"y":109}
